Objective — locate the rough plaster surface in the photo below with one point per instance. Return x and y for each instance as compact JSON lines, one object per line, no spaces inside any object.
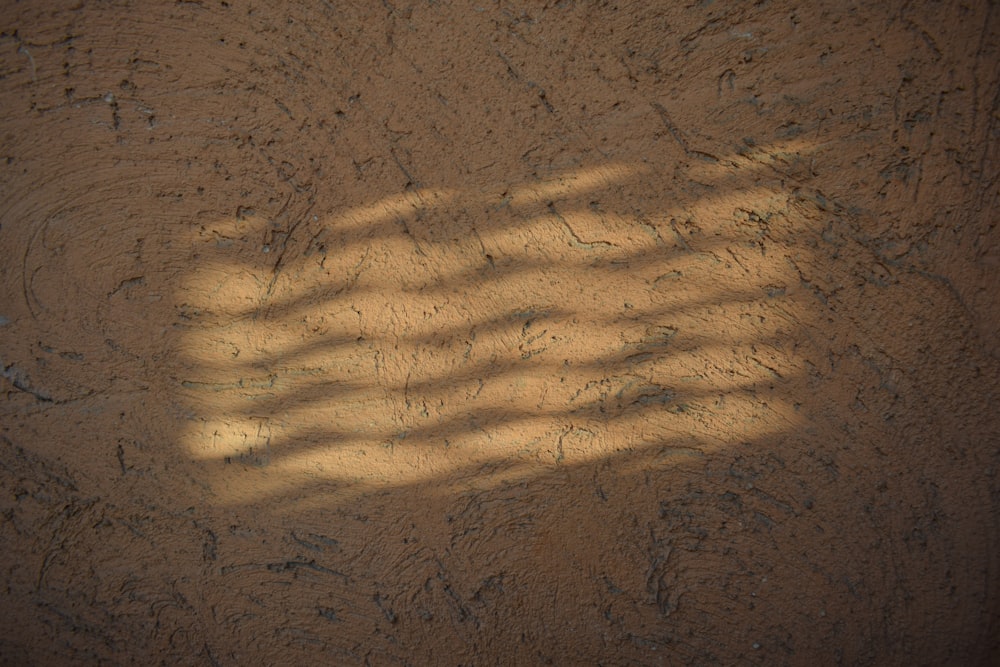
{"x":445,"y":333}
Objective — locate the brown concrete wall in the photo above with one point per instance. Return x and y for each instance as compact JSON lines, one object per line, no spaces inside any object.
{"x":515,"y":333}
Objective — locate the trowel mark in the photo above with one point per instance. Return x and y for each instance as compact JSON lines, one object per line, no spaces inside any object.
{"x":22,"y":382}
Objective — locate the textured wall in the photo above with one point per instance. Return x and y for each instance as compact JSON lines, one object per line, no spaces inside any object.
{"x":434,"y":333}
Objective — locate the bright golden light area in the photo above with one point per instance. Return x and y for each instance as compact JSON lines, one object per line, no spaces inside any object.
{"x":514,"y":357}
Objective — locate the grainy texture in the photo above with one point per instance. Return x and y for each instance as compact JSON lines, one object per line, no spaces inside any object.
{"x":456,"y":334}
